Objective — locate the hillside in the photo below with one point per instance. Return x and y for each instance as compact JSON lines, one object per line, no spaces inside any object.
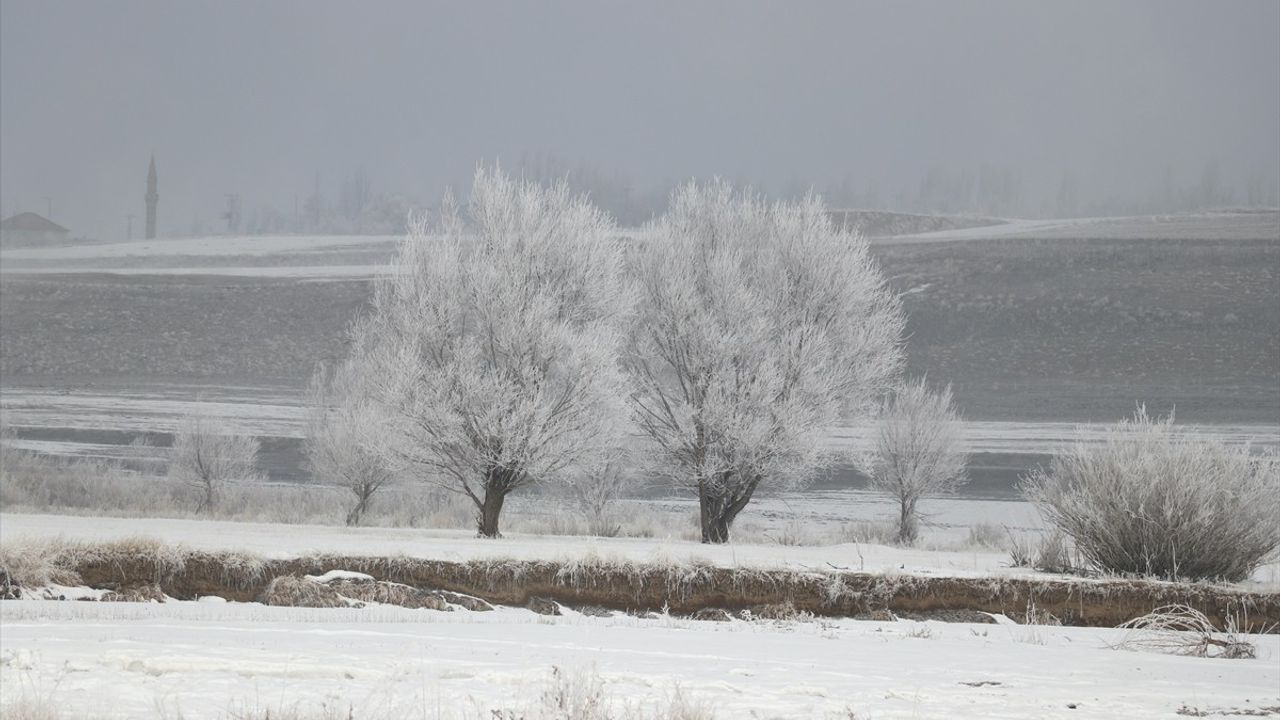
{"x":1039,"y":328}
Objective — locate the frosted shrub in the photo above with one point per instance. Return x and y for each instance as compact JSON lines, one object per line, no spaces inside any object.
{"x":342,"y":423}
{"x":986,"y":535}
{"x":1151,"y":501}
{"x":208,"y":456}
{"x":1183,"y":630}
{"x":595,"y":491}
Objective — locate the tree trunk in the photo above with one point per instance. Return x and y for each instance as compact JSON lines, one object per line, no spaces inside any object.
{"x":908,"y":529}
{"x":362,"y":506}
{"x":717,"y":510}
{"x":490,"y":510}
{"x":207,"y":501}
{"x":715,"y":529}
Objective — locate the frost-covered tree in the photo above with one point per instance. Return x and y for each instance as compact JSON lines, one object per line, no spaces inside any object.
{"x":207,"y":455}
{"x":493,"y":345}
{"x":759,"y":326}
{"x":343,"y":424}
{"x":918,"y":450}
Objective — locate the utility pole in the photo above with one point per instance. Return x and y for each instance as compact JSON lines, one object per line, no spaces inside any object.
{"x":129,"y":217}
{"x":48,"y":204}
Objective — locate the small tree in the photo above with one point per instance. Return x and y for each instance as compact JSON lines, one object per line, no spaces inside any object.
{"x":595,"y":491}
{"x":918,"y":450}
{"x":1152,"y":501}
{"x":760,"y":326}
{"x":341,"y":449}
{"x":207,"y":455}
{"x":493,"y":344}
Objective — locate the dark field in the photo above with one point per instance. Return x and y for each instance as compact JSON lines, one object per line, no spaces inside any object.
{"x":1045,"y":329}
{"x":1080,"y":330}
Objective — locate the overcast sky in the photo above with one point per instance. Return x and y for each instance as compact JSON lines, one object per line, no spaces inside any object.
{"x":257,"y":97}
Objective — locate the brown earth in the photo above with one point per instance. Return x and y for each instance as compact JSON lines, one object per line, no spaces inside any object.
{"x":690,"y":589}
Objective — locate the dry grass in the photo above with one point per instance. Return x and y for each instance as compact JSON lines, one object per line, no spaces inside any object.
{"x":1050,"y":552}
{"x":31,"y":709}
{"x":389,"y":593}
{"x":1183,"y":630}
{"x":621,"y":585}
{"x":291,"y":591}
{"x":986,"y":535}
{"x":580,"y":694}
{"x":32,"y":565}
{"x":868,"y":532}
{"x":38,"y":483}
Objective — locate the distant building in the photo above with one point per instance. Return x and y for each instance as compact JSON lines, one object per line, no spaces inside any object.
{"x":29,"y":228}
{"x":153,"y":198}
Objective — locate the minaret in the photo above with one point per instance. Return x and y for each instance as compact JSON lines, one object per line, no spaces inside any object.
{"x":152,"y":198}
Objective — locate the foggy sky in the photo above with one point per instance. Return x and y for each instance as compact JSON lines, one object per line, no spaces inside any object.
{"x":257,"y":98}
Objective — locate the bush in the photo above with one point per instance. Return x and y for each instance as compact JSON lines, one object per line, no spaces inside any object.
{"x":31,"y":482}
{"x":208,"y":456}
{"x":340,"y":421}
{"x":1183,"y":630}
{"x":594,"y":491}
{"x":1049,"y":553}
{"x":986,"y":535}
{"x":1153,"y":501}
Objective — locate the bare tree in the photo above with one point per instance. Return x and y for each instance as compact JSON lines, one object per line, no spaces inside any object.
{"x":207,"y":455}
{"x":759,"y":326}
{"x":341,"y":446}
{"x":493,"y":345}
{"x":918,"y":450}
{"x":595,"y":491}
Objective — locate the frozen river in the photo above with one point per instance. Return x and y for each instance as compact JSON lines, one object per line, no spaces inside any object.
{"x":101,"y":422}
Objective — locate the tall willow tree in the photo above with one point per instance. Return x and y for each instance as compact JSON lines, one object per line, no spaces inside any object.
{"x":493,"y":344}
{"x":759,"y":326}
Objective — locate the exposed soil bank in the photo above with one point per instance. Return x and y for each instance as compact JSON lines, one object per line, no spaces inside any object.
{"x":685,"y":589}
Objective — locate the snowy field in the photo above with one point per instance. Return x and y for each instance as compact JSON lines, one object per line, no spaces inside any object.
{"x":287,"y":541}
{"x":212,"y":246}
{"x":201,"y":660}
{"x":221,"y":660}
{"x":1261,"y":225}
{"x":348,"y":256}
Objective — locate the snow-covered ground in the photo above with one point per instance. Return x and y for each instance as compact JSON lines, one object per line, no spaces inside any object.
{"x":201,"y":247}
{"x":215,"y":659}
{"x":347,"y":256}
{"x":203,"y":660}
{"x":1227,"y":225}
{"x":306,"y":272}
{"x":285,"y":541}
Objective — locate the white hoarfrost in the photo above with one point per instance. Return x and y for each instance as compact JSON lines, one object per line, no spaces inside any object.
{"x":759,"y":326}
{"x":339,"y":575}
{"x":918,"y":450}
{"x":342,"y":422}
{"x":207,"y":456}
{"x":494,"y":347}
{"x":1152,"y":501}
